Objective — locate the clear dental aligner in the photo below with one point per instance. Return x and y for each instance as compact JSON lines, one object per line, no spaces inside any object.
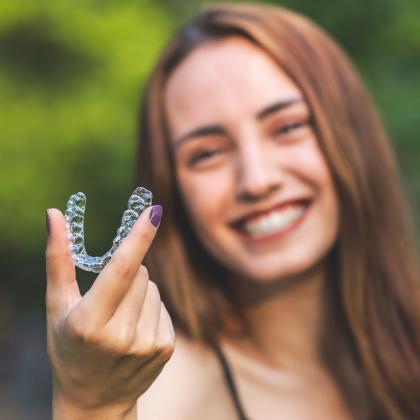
{"x":75,"y":213}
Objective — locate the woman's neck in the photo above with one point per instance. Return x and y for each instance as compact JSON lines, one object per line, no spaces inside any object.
{"x":285,"y":319}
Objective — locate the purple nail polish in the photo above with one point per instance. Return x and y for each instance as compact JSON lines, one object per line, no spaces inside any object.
{"x":156,"y":215}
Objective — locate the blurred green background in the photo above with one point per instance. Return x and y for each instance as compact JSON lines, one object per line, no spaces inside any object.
{"x":71,"y":76}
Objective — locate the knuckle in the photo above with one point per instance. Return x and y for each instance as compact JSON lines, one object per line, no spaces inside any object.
{"x":72,"y":326}
{"x":166,"y":350}
{"x":50,"y":302}
{"x":51,"y":308}
{"x":143,"y":271}
{"x":48,"y":253}
{"x":80,"y":330}
{"x":147,"y":348}
{"x":50,"y":250}
{"x":51,"y":253}
{"x":123,"y":266}
{"x":124,"y":340}
{"x":153,"y":290}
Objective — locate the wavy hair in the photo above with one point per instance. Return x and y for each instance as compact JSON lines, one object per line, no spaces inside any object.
{"x":371,"y":343}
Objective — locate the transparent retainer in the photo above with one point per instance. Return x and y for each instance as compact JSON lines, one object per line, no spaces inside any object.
{"x":75,"y":214}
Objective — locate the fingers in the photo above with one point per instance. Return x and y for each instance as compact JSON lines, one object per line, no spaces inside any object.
{"x":62,"y":287}
{"x":116,"y":278}
{"x":128,"y":312}
{"x":141,"y":324}
{"x":155,"y":332}
{"x":134,"y":327}
{"x":155,"y":352}
{"x":165,"y":333}
{"x":147,"y":326}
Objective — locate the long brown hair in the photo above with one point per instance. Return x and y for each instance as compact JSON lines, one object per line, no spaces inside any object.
{"x":373,"y":288}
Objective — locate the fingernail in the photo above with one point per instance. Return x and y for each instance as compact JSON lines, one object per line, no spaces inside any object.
{"x":156,"y":215}
{"x":48,"y":223}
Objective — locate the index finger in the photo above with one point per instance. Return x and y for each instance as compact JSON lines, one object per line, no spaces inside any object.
{"x":62,"y":288}
{"x":115,"y":279}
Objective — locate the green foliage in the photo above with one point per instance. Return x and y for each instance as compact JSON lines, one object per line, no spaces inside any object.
{"x":70,"y":77}
{"x":71,"y":73}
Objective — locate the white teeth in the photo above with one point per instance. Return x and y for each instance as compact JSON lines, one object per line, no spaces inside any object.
{"x":275,"y":221}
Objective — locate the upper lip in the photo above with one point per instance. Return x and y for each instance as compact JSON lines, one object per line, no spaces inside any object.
{"x":240,"y":220}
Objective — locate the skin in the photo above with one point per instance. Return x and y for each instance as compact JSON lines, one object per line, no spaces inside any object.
{"x":232,"y":162}
{"x":107,"y":346}
{"x":252,"y":163}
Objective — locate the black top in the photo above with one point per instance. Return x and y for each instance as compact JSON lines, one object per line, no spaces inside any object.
{"x":231,"y":384}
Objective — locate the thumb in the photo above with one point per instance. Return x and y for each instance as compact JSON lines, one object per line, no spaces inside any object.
{"x":62,"y":288}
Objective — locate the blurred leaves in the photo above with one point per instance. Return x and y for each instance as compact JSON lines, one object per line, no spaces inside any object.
{"x":71,"y":73}
{"x":29,"y":51}
{"x":70,"y":77}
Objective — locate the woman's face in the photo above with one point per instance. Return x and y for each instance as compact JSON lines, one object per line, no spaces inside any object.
{"x":255,"y":183}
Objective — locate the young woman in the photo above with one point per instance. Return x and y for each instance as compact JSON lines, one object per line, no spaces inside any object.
{"x":284,"y":256}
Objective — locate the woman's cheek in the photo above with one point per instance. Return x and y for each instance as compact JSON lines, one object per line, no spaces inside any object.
{"x":205,"y":196}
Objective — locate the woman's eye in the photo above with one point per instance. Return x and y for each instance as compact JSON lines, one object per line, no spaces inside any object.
{"x":203,"y":155}
{"x":288,"y":128}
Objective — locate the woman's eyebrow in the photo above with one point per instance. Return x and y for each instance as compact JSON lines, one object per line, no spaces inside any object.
{"x":199,"y":132}
{"x":277,"y":106}
{"x":219,"y":130}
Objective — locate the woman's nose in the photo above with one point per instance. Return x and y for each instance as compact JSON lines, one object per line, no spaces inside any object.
{"x":257,"y":176}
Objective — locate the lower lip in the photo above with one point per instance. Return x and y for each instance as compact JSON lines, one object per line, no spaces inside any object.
{"x":275,"y":236}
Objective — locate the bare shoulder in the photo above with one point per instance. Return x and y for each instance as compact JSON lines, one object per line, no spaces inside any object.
{"x":184,"y":385}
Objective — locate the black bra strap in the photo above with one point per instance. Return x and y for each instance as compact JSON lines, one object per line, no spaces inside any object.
{"x":230,"y":383}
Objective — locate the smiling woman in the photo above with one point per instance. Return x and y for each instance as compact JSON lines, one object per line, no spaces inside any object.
{"x":274,"y":211}
{"x":270,"y":162}
{"x":287,"y":268}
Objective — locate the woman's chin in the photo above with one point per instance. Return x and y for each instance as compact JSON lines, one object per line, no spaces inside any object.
{"x":275,"y":273}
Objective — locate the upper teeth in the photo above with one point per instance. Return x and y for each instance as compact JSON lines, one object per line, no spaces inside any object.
{"x":276,"y":220}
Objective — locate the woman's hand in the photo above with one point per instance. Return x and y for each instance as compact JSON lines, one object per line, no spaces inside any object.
{"x":106,"y":347}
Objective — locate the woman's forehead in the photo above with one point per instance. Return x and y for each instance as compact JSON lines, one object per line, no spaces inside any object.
{"x":225,"y":77}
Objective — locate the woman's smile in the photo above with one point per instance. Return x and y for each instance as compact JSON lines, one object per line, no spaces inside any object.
{"x":249,"y":167}
{"x":272,"y":225}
